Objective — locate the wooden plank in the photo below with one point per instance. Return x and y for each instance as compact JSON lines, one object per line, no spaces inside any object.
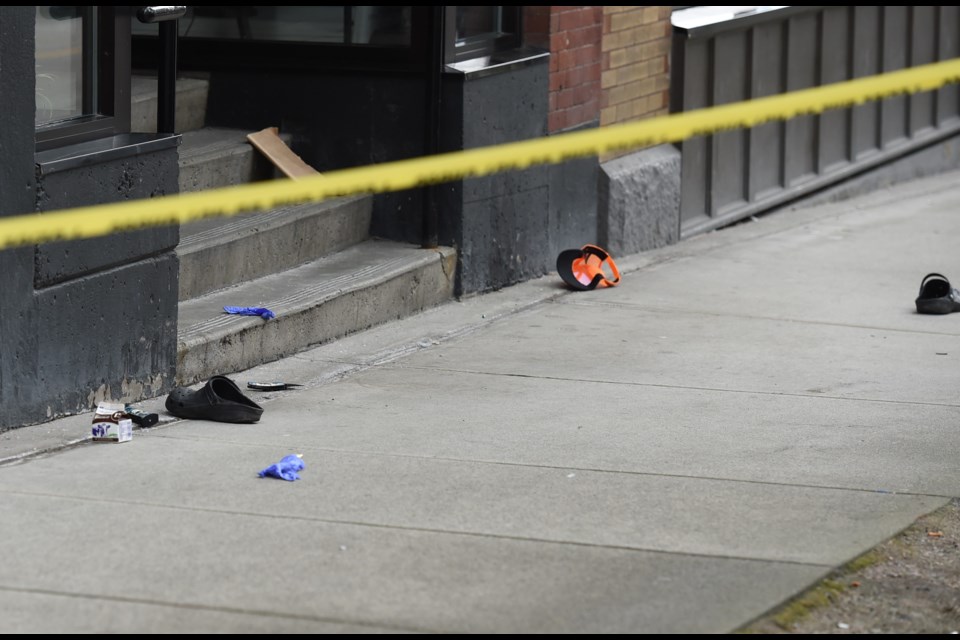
{"x":268,"y":142}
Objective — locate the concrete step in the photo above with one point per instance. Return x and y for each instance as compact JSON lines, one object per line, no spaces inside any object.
{"x":213,"y":157}
{"x":370,"y":283}
{"x":221,"y":252}
{"x":191,"y":103}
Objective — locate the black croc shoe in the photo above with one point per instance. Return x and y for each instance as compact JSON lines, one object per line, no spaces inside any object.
{"x":937,"y":296}
{"x":220,"y":400}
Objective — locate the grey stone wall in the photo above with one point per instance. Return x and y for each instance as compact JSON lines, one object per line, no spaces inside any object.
{"x":639,"y":201}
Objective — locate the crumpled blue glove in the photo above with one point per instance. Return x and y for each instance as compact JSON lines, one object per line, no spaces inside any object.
{"x":263,"y":312}
{"x":286,"y":469}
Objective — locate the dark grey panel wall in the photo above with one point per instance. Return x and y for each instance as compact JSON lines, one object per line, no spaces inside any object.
{"x":766,"y":169}
{"x":501,"y":223}
{"x":573,"y":205}
{"x":110,"y":335}
{"x":107,"y":307}
{"x":867,"y":60}
{"x":948,"y":40}
{"x":80,"y":321}
{"x":20,"y":396}
{"x":734,"y":174}
{"x":142,"y":176}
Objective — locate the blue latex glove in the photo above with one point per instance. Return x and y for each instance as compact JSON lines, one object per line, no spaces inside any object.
{"x":263,"y":312}
{"x":286,"y":469}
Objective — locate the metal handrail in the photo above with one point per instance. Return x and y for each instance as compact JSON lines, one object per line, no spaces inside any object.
{"x":166,"y":18}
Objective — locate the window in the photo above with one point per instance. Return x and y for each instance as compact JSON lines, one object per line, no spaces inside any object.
{"x":79,"y":52}
{"x":326,"y":24}
{"x":476,"y":32}
{"x":293,"y":37}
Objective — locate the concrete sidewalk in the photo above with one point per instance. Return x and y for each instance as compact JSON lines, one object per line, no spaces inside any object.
{"x":748,"y":410}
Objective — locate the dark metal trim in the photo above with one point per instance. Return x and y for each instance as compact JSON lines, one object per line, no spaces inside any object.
{"x":498,"y":63}
{"x":743,"y":22}
{"x":483,"y":45}
{"x":210,"y":54}
{"x":167,"y":78}
{"x":110,"y":72}
{"x":150,"y":15}
{"x":93,"y":152}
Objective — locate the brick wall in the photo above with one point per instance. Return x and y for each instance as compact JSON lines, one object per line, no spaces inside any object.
{"x":635,"y":63}
{"x":574,"y":42}
{"x":608,"y":63}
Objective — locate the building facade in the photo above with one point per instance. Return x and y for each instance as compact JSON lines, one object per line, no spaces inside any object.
{"x":141,"y":102}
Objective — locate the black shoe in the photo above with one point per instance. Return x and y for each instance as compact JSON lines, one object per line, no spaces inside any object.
{"x":219,"y":400}
{"x":937,"y":296}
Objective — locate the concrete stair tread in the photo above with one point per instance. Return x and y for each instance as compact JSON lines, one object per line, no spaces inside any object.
{"x":313,"y":265}
{"x":222,"y":252}
{"x":367,"y":284}
{"x":214,"y":157}
{"x":212,"y":141}
{"x":202,"y":232}
{"x":215,"y":141}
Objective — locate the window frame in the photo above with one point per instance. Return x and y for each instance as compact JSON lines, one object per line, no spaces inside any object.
{"x":106,"y":73}
{"x":208,"y":54}
{"x":487,"y":44}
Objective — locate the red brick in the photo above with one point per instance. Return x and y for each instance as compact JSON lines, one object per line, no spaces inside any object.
{"x":565,"y":60}
{"x":584,"y":93}
{"x":555,"y":81}
{"x":573,"y":38}
{"x":591,"y":76}
{"x":565,"y":99}
{"x":579,"y":115}
{"x":588,"y":55}
{"x":593,"y":108}
{"x":578,"y":17}
{"x":580,"y":76}
{"x":591,"y":73}
{"x":554,"y":120}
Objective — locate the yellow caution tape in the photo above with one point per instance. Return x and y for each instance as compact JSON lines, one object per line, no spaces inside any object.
{"x":89,"y":222}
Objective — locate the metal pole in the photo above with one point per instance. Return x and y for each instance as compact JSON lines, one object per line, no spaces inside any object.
{"x":167,"y":78}
{"x":167,"y":17}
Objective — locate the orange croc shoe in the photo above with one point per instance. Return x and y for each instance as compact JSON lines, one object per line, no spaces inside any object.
{"x":587,"y":268}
